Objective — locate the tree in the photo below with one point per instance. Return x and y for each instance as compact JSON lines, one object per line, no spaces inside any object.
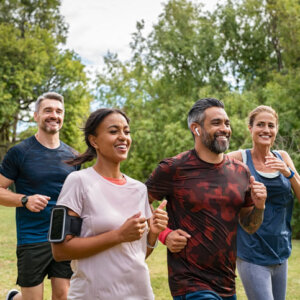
{"x":158,"y":85}
{"x":259,"y":37}
{"x":246,"y":53}
{"x":32,"y":62}
{"x":44,"y":14}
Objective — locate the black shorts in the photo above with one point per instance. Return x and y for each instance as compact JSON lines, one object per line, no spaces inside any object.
{"x":35,"y":261}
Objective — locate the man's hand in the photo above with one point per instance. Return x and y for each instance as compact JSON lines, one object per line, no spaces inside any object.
{"x":36,"y":203}
{"x":177,"y":240}
{"x":252,"y":217}
{"x":258,"y":193}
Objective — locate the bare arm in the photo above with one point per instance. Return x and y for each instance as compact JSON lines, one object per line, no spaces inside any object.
{"x":251,"y":218}
{"x":283,"y":167}
{"x":81,"y":247}
{"x":7,"y":197}
{"x":35,"y":203}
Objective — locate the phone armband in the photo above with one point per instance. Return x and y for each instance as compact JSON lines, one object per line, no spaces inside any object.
{"x":61,"y":224}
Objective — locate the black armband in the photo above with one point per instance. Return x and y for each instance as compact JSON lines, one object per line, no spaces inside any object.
{"x":61,"y":224}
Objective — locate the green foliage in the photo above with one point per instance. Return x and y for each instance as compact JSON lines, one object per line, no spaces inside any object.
{"x":44,"y":14}
{"x":31,"y":63}
{"x":259,"y":37}
{"x":159,"y":84}
{"x":245,"y":53}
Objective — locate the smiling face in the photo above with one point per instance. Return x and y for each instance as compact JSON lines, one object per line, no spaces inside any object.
{"x":112,"y":141}
{"x":264,"y":129}
{"x":216,"y":130}
{"x":50,"y":116}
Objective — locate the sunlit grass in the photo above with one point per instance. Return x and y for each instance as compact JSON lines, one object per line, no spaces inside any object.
{"x":157,"y":263}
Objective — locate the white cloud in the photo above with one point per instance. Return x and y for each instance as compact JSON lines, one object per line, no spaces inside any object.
{"x":96,"y":26}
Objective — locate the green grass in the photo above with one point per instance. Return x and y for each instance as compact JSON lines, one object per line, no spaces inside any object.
{"x":157,"y":264}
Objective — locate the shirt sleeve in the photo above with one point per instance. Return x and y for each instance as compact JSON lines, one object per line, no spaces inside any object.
{"x":160,"y":182}
{"x":148,"y":210}
{"x":248,"y":200}
{"x":10,"y":165}
{"x":71,"y":193}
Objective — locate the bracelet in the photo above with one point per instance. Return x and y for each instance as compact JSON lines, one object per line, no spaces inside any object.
{"x":154,"y":246}
{"x":164,"y":234}
{"x":292,"y":174}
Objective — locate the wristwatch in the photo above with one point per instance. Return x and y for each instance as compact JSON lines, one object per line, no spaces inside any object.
{"x":24,"y":200}
{"x":292,"y":174}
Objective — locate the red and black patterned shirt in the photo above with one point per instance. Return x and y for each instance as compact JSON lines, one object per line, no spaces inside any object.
{"x":204,"y":200}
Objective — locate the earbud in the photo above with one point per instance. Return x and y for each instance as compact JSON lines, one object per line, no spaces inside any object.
{"x":197,"y":131}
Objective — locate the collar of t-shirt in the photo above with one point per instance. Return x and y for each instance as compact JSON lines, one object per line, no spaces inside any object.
{"x":119,"y":181}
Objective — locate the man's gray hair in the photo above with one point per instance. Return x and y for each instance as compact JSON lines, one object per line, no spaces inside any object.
{"x":197,"y":112}
{"x":48,"y":95}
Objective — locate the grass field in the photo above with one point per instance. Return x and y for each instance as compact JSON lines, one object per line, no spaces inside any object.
{"x":157,"y":265}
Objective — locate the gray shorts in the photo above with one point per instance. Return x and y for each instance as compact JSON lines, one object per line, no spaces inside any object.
{"x":35,"y":261}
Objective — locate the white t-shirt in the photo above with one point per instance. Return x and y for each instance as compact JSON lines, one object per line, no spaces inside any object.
{"x":121,"y":271}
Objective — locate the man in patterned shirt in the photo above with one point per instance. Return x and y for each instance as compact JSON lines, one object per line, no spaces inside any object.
{"x":208,"y":194}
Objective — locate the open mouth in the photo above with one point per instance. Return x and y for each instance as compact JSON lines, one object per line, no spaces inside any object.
{"x":121,"y":147}
{"x":221,"y":137}
{"x":52,"y":122}
{"x":265,"y":136}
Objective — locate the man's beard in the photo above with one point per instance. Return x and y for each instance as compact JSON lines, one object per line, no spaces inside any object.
{"x":213,"y":144}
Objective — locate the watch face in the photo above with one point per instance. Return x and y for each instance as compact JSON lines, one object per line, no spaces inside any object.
{"x":24,"y":200}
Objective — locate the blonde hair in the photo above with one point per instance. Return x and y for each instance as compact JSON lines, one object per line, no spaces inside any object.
{"x":259,"y":109}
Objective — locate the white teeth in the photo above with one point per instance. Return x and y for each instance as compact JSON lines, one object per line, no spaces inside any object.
{"x":121,"y":147}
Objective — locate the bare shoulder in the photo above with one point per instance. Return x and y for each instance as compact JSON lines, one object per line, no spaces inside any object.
{"x":286,"y":158}
{"x":283,"y":153}
{"x":236,"y":154}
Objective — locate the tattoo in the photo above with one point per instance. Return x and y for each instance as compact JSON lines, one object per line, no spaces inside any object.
{"x":251,"y":222}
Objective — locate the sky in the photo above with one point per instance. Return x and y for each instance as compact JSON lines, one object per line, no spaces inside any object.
{"x":98,"y":26}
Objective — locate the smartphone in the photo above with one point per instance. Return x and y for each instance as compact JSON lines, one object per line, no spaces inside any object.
{"x":56,"y":232}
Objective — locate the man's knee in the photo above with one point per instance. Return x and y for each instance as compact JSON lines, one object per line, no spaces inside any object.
{"x":60,"y":287}
{"x":31,"y":293}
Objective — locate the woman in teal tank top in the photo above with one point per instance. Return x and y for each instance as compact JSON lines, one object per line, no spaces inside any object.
{"x":262,"y":257}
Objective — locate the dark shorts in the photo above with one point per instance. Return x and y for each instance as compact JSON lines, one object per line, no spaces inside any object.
{"x":35,"y":261}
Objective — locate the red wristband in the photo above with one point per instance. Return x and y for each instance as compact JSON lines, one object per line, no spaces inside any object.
{"x":163,"y":235}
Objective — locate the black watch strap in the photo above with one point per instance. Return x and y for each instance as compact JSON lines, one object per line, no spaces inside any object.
{"x":24,"y":200}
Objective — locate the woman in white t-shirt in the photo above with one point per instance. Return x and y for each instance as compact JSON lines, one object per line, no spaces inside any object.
{"x":118,"y":227}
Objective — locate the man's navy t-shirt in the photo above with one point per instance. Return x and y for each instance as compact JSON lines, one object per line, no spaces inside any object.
{"x":36,"y":169}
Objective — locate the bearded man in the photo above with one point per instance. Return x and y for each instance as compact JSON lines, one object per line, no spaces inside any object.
{"x":208,"y":193}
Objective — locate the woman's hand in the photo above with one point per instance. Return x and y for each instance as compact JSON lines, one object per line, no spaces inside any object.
{"x":133,"y":228}
{"x":159,"y":219}
{"x":277,"y":164}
